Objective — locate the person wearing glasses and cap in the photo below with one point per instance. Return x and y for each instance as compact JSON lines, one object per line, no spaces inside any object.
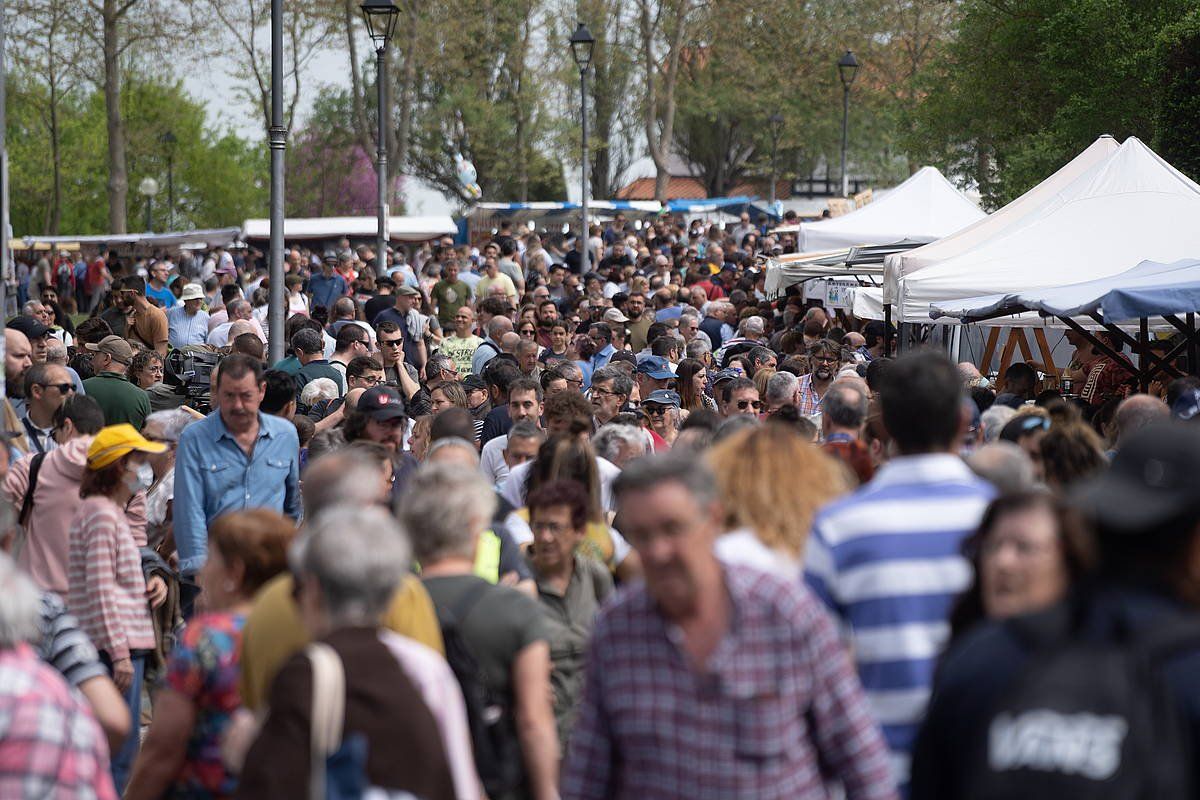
{"x":661,"y":408}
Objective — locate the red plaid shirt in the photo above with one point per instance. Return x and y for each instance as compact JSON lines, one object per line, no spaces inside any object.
{"x":810,"y":401}
{"x":50,"y":745}
{"x":778,"y":696}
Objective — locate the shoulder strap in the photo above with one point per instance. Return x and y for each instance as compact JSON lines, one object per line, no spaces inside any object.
{"x":462,"y":609}
{"x":35,"y":466}
{"x":328,"y":712}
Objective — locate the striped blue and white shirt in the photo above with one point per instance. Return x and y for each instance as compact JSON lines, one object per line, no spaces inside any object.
{"x":888,"y":562}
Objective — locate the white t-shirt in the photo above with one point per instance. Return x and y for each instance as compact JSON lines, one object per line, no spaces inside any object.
{"x":743,"y":548}
{"x":491,"y":460}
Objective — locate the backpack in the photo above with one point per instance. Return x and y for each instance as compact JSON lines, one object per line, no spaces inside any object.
{"x":493,"y":736}
{"x":1089,"y":718}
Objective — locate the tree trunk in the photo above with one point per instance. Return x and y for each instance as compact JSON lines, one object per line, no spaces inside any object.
{"x":118,"y":179}
{"x":56,"y":163}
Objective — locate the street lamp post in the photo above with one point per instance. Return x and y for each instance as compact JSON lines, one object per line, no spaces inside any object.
{"x":847,"y":70}
{"x":381,"y":18}
{"x":582,"y":44}
{"x":776,"y":121}
{"x":277,"y":136}
{"x":148,"y":188}
{"x":168,"y":140}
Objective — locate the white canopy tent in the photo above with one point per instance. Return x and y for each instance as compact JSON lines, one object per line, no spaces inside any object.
{"x":1008,"y":217}
{"x":400,"y":229}
{"x":1128,"y":207}
{"x":923,"y":208}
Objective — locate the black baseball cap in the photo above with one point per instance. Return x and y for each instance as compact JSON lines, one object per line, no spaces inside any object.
{"x":381,"y":403}
{"x":1154,"y":479}
{"x":473,"y":382}
{"x":32,"y":328}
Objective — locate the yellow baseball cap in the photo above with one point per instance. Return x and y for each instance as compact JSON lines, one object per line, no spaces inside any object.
{"x":116,"y":441}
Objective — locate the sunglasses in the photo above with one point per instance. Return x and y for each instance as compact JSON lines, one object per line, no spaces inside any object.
{"x":744,"y":404}
{"x":391,"y":342}
{"x":655,"y":410}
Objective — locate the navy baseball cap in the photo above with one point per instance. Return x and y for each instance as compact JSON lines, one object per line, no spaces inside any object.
{"x":663,"y":397}
{"x":655,"y":367}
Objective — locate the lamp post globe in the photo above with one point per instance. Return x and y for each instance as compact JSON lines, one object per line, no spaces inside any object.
{"x":147,"y":189}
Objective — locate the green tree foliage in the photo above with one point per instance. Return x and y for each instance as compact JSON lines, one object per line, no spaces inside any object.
{"x":219,"y":178}
{"x":1027,"y":85}
{"x":1179,"y":102}
{"x":484,"y":100}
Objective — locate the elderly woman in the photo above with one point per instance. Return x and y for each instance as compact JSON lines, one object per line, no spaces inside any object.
{"x":348,"y":563}
{"x":146,"y":369}
{"x":571,"y":588}
{"x":447,"y":509}
{"x":107,"y":591}
{"x":181,"y":755}
{"x":164,"y":427}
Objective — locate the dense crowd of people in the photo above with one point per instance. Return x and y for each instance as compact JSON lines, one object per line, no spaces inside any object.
{"x":582,"y":518}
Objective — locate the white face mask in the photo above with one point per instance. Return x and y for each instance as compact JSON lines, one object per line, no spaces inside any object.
{"x":143,"y":478}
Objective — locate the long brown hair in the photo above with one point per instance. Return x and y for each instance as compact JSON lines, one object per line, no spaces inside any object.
{"x":687,"y":369}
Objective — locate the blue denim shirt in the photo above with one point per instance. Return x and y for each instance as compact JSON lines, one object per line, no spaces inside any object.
{"x":214,"y":476}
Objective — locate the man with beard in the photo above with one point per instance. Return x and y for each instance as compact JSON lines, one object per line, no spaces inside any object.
{"x":611,"y":387}
{"x":145,"y":322}
{"x":547,"y":318}
{"x":17,"y":360}
{"x":825,"y":357}
{"x":235,"y":459}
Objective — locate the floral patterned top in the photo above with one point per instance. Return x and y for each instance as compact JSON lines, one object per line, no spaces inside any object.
{"x":205,"y":667}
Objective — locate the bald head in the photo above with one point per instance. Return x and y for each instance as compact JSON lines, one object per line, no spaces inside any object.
{"x":1004,"y":465}
{"x":1136,"y":412}
{"x":18,"y":357}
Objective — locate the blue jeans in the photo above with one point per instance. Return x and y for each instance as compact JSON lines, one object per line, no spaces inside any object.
{"x":122,"y":760}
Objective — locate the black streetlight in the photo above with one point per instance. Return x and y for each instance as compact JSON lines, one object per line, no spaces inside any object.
{"x":582,"y":44}
{"x":381,"y":16}
{"x":847,"y":70}
{"x":277,"y":135}
{"x":776,"y":120}
{"x":168,"y":141}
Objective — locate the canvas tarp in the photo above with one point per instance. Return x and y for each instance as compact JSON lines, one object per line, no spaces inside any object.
{"x":923,"y":208}
{"x":1130,"y":207}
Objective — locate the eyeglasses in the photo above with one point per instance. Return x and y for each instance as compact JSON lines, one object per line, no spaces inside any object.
{"x":744,"y":404}
{"x":65,"y":388}
{"x":552,"y":528}
{"x":369,"y":380}
{"x":596,"y":390}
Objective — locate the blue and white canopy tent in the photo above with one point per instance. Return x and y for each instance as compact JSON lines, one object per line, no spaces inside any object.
{"x":1150,"y":291}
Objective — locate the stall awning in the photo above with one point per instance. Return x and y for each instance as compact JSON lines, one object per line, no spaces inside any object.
{"x":1151,"y":289}
{"x":400,"y":229}
{"x":212,"y":237}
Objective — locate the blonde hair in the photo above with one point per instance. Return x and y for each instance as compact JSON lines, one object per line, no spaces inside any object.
{"x":762,"y":377}
{"x":772,"y":481}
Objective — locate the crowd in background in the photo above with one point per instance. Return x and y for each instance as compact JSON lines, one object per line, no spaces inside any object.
{"x":585,"y":517}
